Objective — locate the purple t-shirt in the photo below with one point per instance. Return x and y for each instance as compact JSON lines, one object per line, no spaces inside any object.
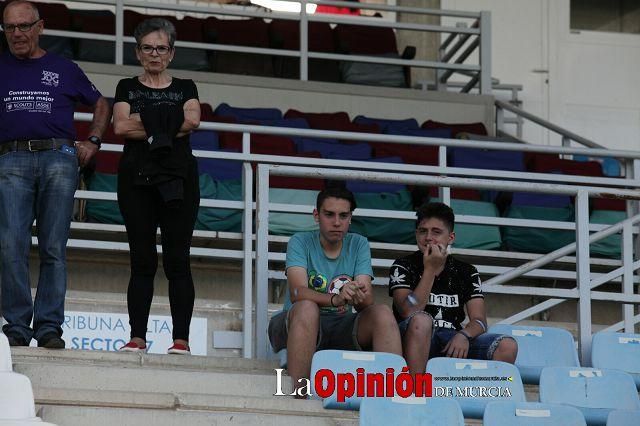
{"x":38,"y":97}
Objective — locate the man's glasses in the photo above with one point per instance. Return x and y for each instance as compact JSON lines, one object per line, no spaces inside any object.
{"x":148,"y":50}
{"x":9,"y":28}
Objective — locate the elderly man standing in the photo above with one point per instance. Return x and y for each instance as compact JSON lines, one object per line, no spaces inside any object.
{"x":39,"y":172}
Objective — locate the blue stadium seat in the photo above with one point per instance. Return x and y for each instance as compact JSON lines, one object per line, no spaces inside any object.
{"x":487,"y":159}
{"x":509,"y":413}
{"x":424,"y":133}
{"x":347,"y":362}
{"x":206,"y":140}
{"x":540,"y":347}
{"x":410,"y":411}
{"x":330,"y":148}
{"x":450,"y":381}
{"x":623,"y":418}
{"x":377,"y":187}
{"x":593,"y":391}
{"x":219,"y":219}
{"x":537,"y":240}
{"x":281,"y":223}
{"x":611,"y":167}
{"x":619,"y":351}
{"x":293,"y":123}
{"x":534,"y":199}
{"x":220,"y":169}
{"x":244,"y":114}
{"x":389,"y":126}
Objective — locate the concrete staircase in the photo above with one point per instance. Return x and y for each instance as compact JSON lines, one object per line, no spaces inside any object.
{"x":102,"y":388}
{"x":73,"y":387}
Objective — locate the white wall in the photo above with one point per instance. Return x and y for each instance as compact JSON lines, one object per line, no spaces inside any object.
{"x":587,"y":82}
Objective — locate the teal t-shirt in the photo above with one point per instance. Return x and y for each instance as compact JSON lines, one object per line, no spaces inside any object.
{"x":326,"y":275}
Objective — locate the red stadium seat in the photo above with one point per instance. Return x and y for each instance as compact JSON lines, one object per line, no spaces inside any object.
{"x":475,"y":128}
{"x":285,"y":34}
{"x":239,"y":32}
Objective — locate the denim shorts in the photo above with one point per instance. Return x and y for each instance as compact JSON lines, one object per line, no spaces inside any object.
{"x":480,"y":347}
{"x":336,"y":331}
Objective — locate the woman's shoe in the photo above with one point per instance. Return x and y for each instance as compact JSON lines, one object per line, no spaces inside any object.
{"x":133,"y":347}
{"x":179,"y":349}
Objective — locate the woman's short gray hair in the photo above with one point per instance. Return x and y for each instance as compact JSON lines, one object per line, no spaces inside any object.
{"x":155,"y":24}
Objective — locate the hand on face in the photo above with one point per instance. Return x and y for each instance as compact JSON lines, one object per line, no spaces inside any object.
{"x":433,"y":237}
{"x":434,"y":256}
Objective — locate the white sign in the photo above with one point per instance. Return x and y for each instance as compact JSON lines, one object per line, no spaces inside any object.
{"x":98,"y":331}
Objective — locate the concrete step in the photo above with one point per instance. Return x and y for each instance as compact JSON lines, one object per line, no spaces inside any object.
{"x":74,"y":387}
{"x":83,"y":416}
{"x":56,"y":404}
{"x":106,"y":371}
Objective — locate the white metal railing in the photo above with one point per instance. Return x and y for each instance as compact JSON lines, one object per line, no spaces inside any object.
{"x":583,"y":293}
{"x":567,"y":135}
{"x":442,"y":176}
{"x":480,"y":32}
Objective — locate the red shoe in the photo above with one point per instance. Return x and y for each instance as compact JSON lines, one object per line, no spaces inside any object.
{"x":179,"y":349}
{"x":133,"y":347}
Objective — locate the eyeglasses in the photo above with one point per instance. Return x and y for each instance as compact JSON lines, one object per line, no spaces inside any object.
{"x":9,"y":28}
{"x":148,"y":50}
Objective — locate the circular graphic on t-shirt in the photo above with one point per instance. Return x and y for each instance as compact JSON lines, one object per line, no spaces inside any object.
{"x":318,"y":282}
{"x":337,"y":283}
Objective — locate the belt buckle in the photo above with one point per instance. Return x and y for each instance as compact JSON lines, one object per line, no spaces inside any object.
{"x":29,"y":145}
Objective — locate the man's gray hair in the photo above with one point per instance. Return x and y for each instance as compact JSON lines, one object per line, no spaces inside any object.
{"x":155,"y":24}
{"x":36,"y":13}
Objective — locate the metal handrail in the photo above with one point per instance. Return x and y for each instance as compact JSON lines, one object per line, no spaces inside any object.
{"x":583,"y":291}
{"x":548,"y":125}
{"x":304,"y":20}
{"x":428,"y":175}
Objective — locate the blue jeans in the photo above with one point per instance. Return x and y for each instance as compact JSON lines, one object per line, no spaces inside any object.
{"x":35,"y":185}
{"x":480,"y":347}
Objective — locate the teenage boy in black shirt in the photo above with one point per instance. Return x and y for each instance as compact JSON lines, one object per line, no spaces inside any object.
{"x":431,"y":290}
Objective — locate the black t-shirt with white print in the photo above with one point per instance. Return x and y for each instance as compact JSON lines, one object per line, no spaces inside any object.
{"x":458,"y":283}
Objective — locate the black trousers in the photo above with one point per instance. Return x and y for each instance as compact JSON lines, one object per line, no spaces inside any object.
{"x":143,"y":211}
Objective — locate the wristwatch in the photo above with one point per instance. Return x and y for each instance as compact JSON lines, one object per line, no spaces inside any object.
{"x":95,"y":140}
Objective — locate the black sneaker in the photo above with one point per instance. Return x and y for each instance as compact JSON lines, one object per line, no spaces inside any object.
{"x":15,"y":340}
{"x":51,"y":341}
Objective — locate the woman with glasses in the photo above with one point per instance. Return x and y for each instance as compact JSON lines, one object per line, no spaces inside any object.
{"x":158,"y":181}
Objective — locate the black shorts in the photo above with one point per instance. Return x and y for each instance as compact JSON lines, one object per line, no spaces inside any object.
{"x":336,"y":331}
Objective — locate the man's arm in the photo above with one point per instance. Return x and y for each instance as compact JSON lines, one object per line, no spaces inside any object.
{"x":101,"y":118}
{"x":477,"y":314}
{"x":298,"y":290}
{"x":408,"y":301}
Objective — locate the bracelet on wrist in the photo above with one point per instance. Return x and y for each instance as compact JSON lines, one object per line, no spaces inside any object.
{"x":331,"y":301}
{"x":465,"y":334}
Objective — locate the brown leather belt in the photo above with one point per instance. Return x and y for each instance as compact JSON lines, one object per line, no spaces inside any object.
{"x":34,"y":145}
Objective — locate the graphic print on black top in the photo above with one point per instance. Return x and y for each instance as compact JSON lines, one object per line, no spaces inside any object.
{"x":137,"y":95}
{"x":458,"y":283}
